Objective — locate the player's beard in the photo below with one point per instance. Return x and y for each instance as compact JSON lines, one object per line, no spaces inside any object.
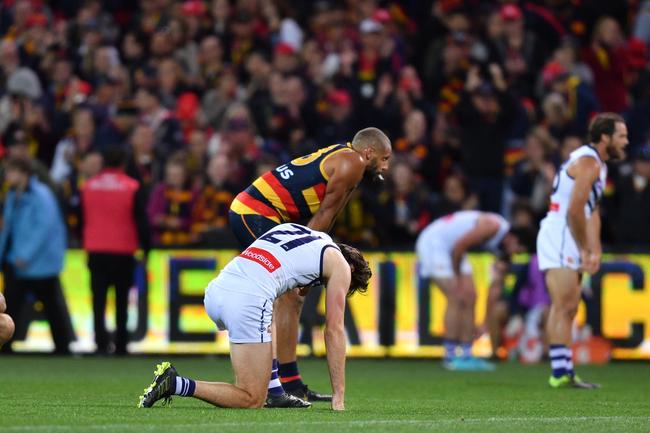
{"x":372,"y":174}
{"x":615,"y":154}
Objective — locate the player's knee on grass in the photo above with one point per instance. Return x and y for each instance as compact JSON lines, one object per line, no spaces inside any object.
{"x":7,"y":328}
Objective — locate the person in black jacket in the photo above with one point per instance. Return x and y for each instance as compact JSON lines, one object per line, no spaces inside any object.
{"x":484,"y":114}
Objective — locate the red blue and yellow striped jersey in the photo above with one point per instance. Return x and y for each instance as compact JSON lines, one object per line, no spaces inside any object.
{"x":291,"y":192}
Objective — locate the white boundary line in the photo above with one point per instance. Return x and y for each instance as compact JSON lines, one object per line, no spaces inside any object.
{"x":357,"y":423}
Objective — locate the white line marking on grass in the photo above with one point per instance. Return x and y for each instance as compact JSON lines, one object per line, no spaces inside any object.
{"x":359,"y":423}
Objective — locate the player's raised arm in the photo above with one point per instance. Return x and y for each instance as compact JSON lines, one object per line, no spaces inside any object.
{"x":336,"y":271}
{"x":347,"y":173}
{"x":585,"y":171}
{"x":485,"y":228}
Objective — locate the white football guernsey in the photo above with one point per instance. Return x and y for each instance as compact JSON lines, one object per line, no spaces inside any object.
{"x":556,"y":247}
{"x":287,"y":256}
{"x":436,"y":242}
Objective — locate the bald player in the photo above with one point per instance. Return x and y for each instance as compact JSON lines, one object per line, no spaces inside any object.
{"x":311,"y":189}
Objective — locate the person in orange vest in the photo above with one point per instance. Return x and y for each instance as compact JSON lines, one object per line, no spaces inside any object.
{"x":114,"y":225}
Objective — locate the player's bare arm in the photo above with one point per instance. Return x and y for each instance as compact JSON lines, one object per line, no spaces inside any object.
{"x":336,"y":271}
{"x":585,"y":171}
{"x":347,"y":170}
{"x":593,"y":237}
{"x":3,"y":304}
{"x":485,"y":228}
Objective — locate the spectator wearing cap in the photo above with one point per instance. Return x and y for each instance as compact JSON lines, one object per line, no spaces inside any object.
{"x":338,"y":123}
{"x":285,"y":58}
{"x":114,"y":225}
{"x":243,"y":39}
{"x":630,"y":205}
{"x":579,"y":100}
{"x":520,"y":51}
{"x":606,"y":58}
{"x":170,"y":206}
{"x":32,"y":248}
{"x":16,"y":142}
{"x":484,"y":115}
{"x":116,"y":129}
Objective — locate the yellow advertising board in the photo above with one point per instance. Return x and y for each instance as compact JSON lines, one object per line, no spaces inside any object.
{"x":400,"y":316}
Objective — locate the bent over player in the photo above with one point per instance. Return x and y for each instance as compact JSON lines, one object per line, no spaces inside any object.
{"x":311,"y":189}
{"x":240,"y":300}
{"x":441,"y":249}
{"x":568,"y":242}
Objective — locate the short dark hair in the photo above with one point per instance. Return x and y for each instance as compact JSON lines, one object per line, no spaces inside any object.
{"x":19,"y":164}
{"x":361,"y":272}
{"x":114,"y":157}
{"x":604,"y":123}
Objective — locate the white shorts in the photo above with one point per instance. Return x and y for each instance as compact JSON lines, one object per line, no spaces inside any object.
{"x":556,"y":247}
{"x":437,"y":263}
{"x":247,"y":318}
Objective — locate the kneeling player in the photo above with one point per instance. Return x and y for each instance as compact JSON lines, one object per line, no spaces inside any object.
{"x":241,"y":299}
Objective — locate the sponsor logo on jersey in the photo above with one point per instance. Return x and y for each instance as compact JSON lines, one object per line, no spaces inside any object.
{"x":263,"y":257}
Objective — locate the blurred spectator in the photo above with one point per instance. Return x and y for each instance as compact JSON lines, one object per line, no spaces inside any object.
{"x":71,"y":149}
{"x":406,"y":209}
{"x":142,"y":165}
{"x":484,"y":113}
{"x":17,"y":146}
{"x":456,"y":196}
{"x":522,"y":215}
{"x":89,"y":166}
{"x":533,"y":175}
{"x":631,"y":208}
{"x":520,"y":51}
{"x":577,"y":99}
{"x":606,"y":58}
{"x":170,"y":206}
{"x":210,"y":211}
{"x":32,"y":247}
{"x":114,"y":224}
{"x":169,"y":137}
{"x":569,"y":144}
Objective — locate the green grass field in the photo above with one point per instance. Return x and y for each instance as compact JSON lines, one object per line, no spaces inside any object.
{"x":43,"y":394}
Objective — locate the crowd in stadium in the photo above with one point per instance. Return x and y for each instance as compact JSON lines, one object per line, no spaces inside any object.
{"x":482,"y":100}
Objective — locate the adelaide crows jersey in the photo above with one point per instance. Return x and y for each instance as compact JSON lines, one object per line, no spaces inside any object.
{"x":291,"y":192}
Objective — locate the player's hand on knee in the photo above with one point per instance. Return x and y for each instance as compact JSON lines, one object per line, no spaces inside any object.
{"x":589,"y":263}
